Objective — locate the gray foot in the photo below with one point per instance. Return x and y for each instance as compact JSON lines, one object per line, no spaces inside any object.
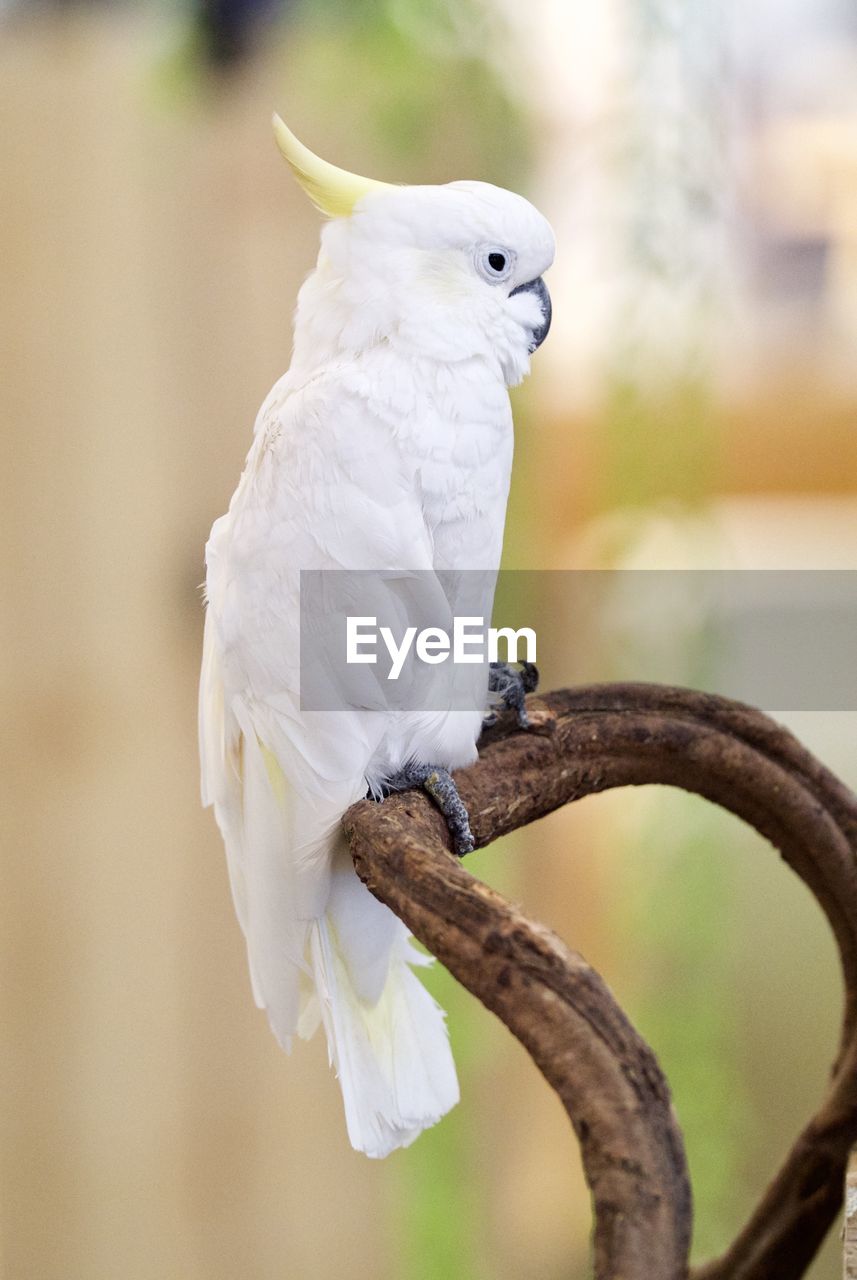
{"x":440,"y":786}
{"x":512,"y":687}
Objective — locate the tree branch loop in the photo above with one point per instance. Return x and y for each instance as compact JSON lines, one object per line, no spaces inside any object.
{"x":589,"y":740}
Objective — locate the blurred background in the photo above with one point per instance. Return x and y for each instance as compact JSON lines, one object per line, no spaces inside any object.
{"x":695,"y":407}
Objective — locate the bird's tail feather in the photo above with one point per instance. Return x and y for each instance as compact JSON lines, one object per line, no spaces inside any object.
{"x":389,"y":1045}
{"x":321,"y":947}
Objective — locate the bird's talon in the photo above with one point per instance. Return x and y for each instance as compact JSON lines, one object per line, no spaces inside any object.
{"x":511,"y":687}
{"x":438,"y":783}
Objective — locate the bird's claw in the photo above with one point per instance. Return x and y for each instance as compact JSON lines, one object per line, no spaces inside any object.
{"x":438,"y":783}
{"x":511,"y":688}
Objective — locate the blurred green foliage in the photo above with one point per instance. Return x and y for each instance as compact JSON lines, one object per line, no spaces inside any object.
{"x":417,"y":80}
{"x":678,"y":907}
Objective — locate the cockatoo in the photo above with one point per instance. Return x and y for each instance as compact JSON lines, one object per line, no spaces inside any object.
{"x":387,"y":446}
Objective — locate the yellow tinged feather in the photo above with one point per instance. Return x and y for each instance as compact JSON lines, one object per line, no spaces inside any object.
{"x":275,"y":773}
{"x":333,"y":191}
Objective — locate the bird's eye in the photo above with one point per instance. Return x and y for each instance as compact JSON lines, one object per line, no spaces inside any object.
{"x":494,"y":262}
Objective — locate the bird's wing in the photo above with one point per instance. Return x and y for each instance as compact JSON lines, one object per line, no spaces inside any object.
{"x":324,"y":489}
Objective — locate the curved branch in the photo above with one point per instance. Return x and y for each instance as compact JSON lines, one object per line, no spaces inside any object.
{"x":590,"y":740}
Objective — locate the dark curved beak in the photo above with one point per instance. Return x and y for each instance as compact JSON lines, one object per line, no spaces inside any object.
{"x":540,"y":289}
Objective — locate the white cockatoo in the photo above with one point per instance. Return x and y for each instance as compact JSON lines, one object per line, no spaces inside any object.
{"x":387,"y":446}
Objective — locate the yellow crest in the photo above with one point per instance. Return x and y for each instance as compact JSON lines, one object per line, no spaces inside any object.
{"x":333,"y":191}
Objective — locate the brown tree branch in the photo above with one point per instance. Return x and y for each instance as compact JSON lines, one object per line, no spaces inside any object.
{"x":849,"y":1233}
{"x":589,"y":740}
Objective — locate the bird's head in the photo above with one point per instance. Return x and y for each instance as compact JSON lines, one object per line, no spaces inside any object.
{"x":447,"y":272}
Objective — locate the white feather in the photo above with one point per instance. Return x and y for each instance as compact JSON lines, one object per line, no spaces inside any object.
{"x":386,"y":447}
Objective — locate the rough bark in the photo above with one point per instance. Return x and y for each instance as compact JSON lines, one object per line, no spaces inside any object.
{"x":589,"y":740}
{"x":849,"y":1230}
